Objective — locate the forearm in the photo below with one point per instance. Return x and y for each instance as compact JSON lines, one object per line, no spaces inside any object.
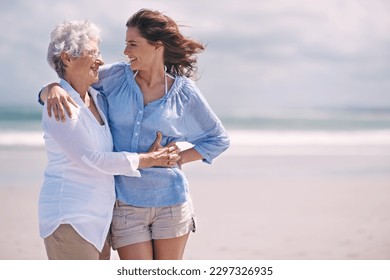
{"x":113,"y":163}
{"x":45,"y":91}
{"x":43,"y":95}
{"x":189,"y":155}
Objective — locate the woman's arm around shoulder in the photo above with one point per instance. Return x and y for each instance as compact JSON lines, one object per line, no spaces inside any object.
{"x":58,"y":101}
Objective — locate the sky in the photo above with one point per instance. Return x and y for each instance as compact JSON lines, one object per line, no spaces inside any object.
{"x":261,"y":55}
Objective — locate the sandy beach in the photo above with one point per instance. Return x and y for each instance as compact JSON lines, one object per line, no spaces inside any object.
{"x":286,"y":207}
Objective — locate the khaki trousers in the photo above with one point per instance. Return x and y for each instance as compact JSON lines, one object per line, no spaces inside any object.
{"x":66,"y":244}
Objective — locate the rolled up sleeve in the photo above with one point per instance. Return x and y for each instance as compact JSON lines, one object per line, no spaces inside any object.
{"x":205,"y":130}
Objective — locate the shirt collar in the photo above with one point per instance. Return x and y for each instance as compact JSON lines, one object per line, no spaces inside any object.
{"x":74,"y":94}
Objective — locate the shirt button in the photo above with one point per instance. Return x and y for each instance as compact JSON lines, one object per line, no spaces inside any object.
{"x":136,"y":134}
{"x":140,"y":112}
{"x":138,"y":123}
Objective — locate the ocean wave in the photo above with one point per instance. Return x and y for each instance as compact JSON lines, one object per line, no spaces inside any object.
{"x":249,"y":138}
{"x":305,"y":137}
{"x":22,"y":138}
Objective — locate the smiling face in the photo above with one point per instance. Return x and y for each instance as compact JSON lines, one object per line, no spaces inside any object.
{"x":84,"y":69}
{"x":141,"y":53}
{"x":87,"y":66}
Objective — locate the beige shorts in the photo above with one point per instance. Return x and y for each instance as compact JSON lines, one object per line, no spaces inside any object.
{"x":132,"y":224}
{"x":66,"y":244}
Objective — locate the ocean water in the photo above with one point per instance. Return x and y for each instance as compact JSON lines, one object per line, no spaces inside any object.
{"x":298,"y":132}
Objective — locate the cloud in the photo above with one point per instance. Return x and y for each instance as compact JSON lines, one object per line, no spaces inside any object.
{"x":260,"y":54}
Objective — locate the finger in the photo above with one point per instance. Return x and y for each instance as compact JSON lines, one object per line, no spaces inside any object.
{"x":156,"y":144}
{"x":70,"y":99}
{"x":172,"y":163}
{"x":54,"y":108}
{"x":157,"y":141}
{"x":158,"y":138}
{"x":173,"y":159}
{"x":174,"y":148}
{"x":64,"y":106}
{"x":171,"y":144}
{"x":67,"y":106}
{"x":60,"y":111}
{"x":48,"y":107}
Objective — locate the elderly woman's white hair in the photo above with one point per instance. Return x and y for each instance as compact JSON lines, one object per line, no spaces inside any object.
{"x":70,"y":37}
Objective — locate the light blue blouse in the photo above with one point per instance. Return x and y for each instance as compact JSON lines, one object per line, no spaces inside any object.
{"x":182,"y":114}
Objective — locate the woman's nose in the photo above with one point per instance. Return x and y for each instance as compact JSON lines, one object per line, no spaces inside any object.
{"x":99,"y":60}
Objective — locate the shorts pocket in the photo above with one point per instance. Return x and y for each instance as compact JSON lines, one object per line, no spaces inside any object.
{"x":121,"y":215}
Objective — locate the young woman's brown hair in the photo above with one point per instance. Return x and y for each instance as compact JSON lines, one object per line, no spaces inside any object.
{"x":180,"y":51}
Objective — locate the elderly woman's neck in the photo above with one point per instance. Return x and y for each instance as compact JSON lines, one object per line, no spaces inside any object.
{"x":79,"y":86}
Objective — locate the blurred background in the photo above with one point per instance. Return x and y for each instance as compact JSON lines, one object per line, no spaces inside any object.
{"x":303,"y":88}
{"x":264,"y":58}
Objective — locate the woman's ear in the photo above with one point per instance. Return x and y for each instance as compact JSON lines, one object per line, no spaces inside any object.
{"x":65,"y":58}
{"x":158,"y":45}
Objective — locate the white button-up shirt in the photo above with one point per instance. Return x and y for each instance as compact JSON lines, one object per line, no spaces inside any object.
{"x":78,"y":187}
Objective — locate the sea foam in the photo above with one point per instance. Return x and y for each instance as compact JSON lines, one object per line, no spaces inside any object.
{"x":265,"y":142}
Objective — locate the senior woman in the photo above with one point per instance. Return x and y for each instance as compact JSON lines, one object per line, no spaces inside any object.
{"x":78,"y":193}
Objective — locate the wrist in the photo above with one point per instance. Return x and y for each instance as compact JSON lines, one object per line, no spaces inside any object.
{"x":43,"y":94}
{"x":145,"y":160}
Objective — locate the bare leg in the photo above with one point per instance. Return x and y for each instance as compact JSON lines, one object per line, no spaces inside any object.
{"x":170,"y":249}
{"x":138,"y":251}
{"x":106,"y":252}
